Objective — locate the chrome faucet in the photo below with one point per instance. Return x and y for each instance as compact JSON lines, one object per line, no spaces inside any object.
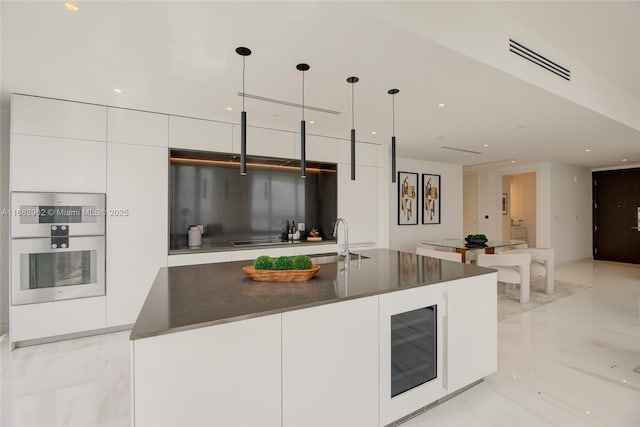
{"x":346,"y":236}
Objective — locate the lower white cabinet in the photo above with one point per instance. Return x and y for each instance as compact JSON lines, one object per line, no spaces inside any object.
{"x":472,"y":328}
{"x":137,"y":235}
{"x":48,"y":319}
{"x":330,"y":364}
{"x":224,"y":375}
{"x":358,"y":203}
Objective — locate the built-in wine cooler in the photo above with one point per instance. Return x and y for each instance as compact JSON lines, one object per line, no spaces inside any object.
{"x":413,"y":349}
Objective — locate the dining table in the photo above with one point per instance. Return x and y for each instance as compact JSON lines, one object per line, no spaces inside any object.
{"x":462,"y":247}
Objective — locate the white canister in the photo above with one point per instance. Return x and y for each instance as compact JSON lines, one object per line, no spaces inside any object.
{"x":195,"y":235}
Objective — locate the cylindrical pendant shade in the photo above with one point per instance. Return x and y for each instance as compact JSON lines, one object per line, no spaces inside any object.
{"x":393,"y":159}
{"x":353,"y":154}
{"x":303,"y":154}
{"x":243,"y":144}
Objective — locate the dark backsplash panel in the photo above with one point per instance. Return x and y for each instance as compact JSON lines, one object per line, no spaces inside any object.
{"x":233,"y":207}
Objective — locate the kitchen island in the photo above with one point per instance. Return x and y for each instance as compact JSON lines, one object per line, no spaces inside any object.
{"x":212,"y":347}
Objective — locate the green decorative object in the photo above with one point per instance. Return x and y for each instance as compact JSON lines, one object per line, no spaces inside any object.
{"x":302,"y":262}
{"x":263,"y":263}
{"x":284,"y":263}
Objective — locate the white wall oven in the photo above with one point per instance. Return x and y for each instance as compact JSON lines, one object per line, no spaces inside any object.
{"x":57,"y":246}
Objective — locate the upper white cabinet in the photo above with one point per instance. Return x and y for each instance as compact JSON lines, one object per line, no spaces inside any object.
{"x":318,"y":148}
{"x":32,"y":115}
{"x":198,"y":134}
{"x":265,"y":142}
{"x":366,"y":154}
{"x":358,"y":202}
{"x":41,"y":163}
{"x":137,"y":127}
{"x":137,"y":235}
{"x":329,"y":364}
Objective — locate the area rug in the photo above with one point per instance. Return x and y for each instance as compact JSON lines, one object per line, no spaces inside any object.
{"x":509,"y":296}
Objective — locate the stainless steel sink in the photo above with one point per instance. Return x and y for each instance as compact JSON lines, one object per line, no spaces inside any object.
{"x":332,"y":257}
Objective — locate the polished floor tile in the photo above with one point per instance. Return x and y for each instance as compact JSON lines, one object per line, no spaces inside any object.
{"x":566,"y":363}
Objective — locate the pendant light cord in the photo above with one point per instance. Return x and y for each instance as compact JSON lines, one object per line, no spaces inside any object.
{"x":303,"y":96}
{"x":353,"y":126}
{"x":393,"y":97}
{"x":243,"y":63}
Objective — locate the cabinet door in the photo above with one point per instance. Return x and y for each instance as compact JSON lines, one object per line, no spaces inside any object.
{"x":366,"y":154}
{"x":265,"y":142}
{"x":48,"y":319}
{"x":137,"y":127}
{"x":318,"y":148}
{"x":222,"y":375}
{"x":472,"y":328}
{"x":395,"y":368}
{"x":40,"y":163}
{"x":137,"y":188}
{"x":358,"y":203}
{"x":32,"y":115}
{"x":329,"y":364}
{"x":198,"y":134}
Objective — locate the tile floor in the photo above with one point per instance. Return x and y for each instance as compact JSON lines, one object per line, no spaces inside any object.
{"x":567,"y":363}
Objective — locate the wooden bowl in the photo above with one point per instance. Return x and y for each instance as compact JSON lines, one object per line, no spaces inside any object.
{"x":281,"y":275}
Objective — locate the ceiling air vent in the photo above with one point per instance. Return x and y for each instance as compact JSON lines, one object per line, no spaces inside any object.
{"x":290,"y":104}
{"x":538,"y":59}
{"x":461,"y":149}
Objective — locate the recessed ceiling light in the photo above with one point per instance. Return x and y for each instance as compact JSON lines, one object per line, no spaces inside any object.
{"x":117,"y":90}
{"x":312,"y":122}
{"x":624,"y":160}
{"x":513,"y":161}
{"x":587,"y":150}
{"x":485,"y":145}
{"x":373,"y":132}
{"x":72,"y":7}
{"x":441,"y":105}
{"x":229,"y":108}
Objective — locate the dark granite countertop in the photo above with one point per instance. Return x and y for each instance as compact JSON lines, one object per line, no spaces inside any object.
{"x":195,"y":296}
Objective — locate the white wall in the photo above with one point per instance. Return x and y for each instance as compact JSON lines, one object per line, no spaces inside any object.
{"x":4,"y":219}
{"x":470,"y":204}
{"x":571,"y":210}
{"x":405,"y":237}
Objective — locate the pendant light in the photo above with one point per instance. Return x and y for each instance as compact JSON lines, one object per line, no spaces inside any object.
{"x":303,"y":125}
{"x":353,"y":80}
{"x":393,"y":92}
{"x":244,"y":52}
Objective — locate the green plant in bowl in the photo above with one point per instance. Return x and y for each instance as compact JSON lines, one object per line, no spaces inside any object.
{"x":284,"y":263}
{"x":263,"y":263}
{"x":302,"y":262}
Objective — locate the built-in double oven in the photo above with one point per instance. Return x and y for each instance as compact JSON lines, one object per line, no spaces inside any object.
{"x":57,"y":246}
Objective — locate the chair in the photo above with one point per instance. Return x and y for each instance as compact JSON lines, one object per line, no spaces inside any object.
{"x":542,"y":260}
{"x":512,"y":268}
{"x":450,"y":256}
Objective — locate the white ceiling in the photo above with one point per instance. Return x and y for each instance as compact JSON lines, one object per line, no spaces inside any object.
{"x":178,"y":57}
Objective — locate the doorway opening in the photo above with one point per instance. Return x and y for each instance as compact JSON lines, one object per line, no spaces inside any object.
{"x":519,"y":207}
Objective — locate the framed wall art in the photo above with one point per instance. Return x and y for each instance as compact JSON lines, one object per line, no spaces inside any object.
{"x":407,"y":198}
{"x":505,"y":203}
{"x":431,"y":196}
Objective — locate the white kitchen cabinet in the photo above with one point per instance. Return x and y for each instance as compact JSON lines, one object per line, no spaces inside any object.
{"x":265,"y":142}
{"x":318,"y":148}
{"x":40,"y":163}
{"x":329,"y":364}
{"x":137,"y":127}
{"x":393,"y":408}
{"x":32,"y":115}
{"x":223,"y":375}
{"x":49,"y":319}
{"x":366,"y":154}
{"x":137,"y":218}
{"x":358,"y":203}
{"x":471,"y":329}
{"x":198,"y":134}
